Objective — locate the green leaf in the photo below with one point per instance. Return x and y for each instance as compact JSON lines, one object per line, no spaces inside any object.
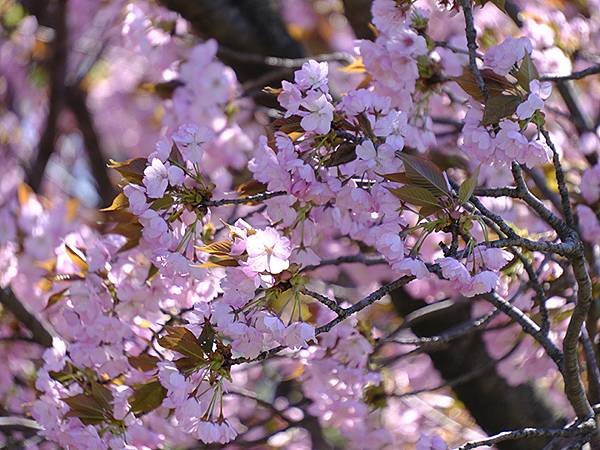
{"x":527,"y":72}
{"x":77,"y":258}
{"x":143,"y":362}
{"x":102,"y":395}
{"x":415,"y":195}
{"x":131,"y":170}
{"x":500,"y":4}
{"x":499,"y":107}
{"x":423,"y":173}
{"x":147,"y":397}
{"x":345,"y":153}
{"x":219,"y":248}
{"x":398,"y":177}
{"x":162,"y":203}
{"x":466,"y":189}
{"x":427,"y":211}
{"x":56,"y":297}
{"x":214,"y":263}
{"x":183,"y":341}
{"x":152,"y":272}
{"x":187,"y":366}
{"x":207,"y":337}
{"x":88,"y":409}
{"x":119,"y":202}
{"x":468,"y":83}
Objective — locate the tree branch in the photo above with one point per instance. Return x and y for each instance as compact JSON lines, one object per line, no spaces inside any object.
{"x":593,"y":70}
{"x":577,"y":430}
{"x":40,"y":330}
{"x":76,"y":99}
{"x":472,"y":44}
{"x":57,"y":69}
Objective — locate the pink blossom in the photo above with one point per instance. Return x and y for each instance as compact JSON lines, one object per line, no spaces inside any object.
{"x":137,"y":198}
{"x":54,"y":357}
{"x":502,"y":57}
{"x":453,"y":270}
{"x":431,"y":442}
{"x":297,"y":334}
{"x":178,"y":388}
{"x":481,"y":283}
{"x":590,"y":184}
{"x":158,"y":175}
{"x":268,"y":251}
{"x":313,"y":75}
{"x":190,"y":141}
{"x":290,"y":98}
{"x":320,"y":113}
{"x":589,"y":223}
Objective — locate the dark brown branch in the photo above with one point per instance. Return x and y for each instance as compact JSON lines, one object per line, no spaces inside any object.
{"x":76,"y":100}
{"x":358,"y":13}
{"x":12,"y":424}
{"x":246,"y":26}
{"x":593,"y":70}
{"x":242,"y":201}
{"x":477,"y":372}
{"x":521,"y":405}
{"x":577,"y":430}
{"x":57,"y":70}
{"x":40,"y":331}
{"x":471,"y":34}
{"x":529,"y":326}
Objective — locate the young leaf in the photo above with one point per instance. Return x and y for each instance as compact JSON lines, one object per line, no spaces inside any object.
{"x":251,"y":187}
{"x":88,"y":409}
{"x":162,"y":203}
{"x":355,"y":66}
{"x":425,"y":174}
{"x":143,"y":362}
{"x":415,"y":195}
{"x":214,"y":263}
{"x":120,"y":202}
{"x":345,"y":153}
{"x":398,"y":177}
{"x":427,"y":211}
{"x":77,"y":259}
{"x":147,"y":397}
{"x":466,"y":189}
{"x":183,"y":341}
{"x":219,"y":248}
{"x":56,"y":297}
{"x":207,"y":337}
{"x":468,"y":83}
{"x":498,"y":107}
{"x":131,"y":170}
{"x":187,"y":366}
{"x":102,"y":395}
{"x":527,"y":72}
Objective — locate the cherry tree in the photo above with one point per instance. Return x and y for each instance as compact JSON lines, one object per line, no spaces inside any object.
{"x":300,"y":224}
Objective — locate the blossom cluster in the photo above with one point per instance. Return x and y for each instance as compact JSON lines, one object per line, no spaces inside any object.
{"x":231,"y":291}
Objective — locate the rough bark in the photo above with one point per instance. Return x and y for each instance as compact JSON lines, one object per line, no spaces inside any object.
{"x":493,"y":403}
{"x":76,"y":101}
{"x":250,"y":26}
{"x":358,"y":13}
{"x":56,"y":98}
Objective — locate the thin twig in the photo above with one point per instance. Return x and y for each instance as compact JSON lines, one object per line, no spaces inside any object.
{"x":593,"y":70}
{"x":40,"y":330}
{"x":241,"y":201}
{"x":472,"y":44}
{"x":582,"y":428}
